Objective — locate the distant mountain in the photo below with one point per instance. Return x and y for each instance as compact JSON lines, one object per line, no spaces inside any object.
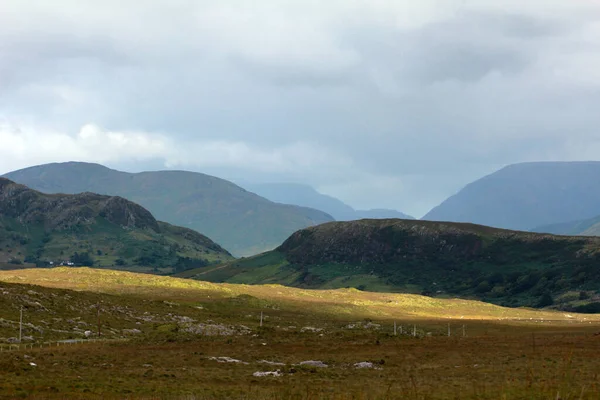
{"x":306,"y":196}
{"x":242,"y":222}
{"x":526,"y":196}
{"x":91,"y":229}
{"x":381,"y":213}
{"x":587,"y":227}
{"x":434,"y":258}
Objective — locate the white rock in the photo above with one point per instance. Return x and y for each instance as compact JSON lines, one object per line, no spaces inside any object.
{"x":364,"y":364}
{"x":227,"y":360}
{"x":312,"y":363}
{"x":267,"y":373}
{"x":311,"y":329}
{"x":271,"y":363}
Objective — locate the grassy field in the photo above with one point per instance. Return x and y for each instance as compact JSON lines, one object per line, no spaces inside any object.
{"x":177,"y":329}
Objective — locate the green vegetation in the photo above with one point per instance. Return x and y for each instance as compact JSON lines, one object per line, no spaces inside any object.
{"x":242,"y":222}
{"x":175,"y":332}
{"x":437,"y":259}
{"x":93,"y":230}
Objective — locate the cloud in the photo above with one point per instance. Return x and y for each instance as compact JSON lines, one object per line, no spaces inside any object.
{"x":384,"y":103}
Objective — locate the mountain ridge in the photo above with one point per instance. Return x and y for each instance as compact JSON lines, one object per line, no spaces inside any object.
{"x":239,"y":220}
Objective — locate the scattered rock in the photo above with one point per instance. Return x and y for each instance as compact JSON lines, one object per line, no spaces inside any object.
{"x":312,"y":363}
{"x":227,"y":360}
{"x":271,"y":363}
{"x":268,"y":373}
{"x":311,"y":329}
{"x":215,"y":329}
{"x":364,"y":364}
{"x":371,"y":325}
{"x":131,"y":331}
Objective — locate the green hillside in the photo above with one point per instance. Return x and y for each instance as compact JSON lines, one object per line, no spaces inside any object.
{"x":242,"y":222}
{"x":43,"y":230}
{"x":434,"y":258}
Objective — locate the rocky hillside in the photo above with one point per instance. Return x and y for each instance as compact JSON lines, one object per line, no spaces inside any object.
{"x":526,"y":196}
{"x":91,"y":229}
{"x":242,"y":222}
{"x":435,"y":258}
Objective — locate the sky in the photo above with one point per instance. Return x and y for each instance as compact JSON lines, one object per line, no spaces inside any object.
{"x":381,"y":103}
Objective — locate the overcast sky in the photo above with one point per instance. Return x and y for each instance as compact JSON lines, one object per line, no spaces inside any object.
{"x":380,"y":103}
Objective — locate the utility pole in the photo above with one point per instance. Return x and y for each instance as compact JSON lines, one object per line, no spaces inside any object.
{"x":98,"y":315}
{"x":415,"y":330}
{"x":21,"y":326}
{"x":261,"y":318}
{"x":395,"y":332}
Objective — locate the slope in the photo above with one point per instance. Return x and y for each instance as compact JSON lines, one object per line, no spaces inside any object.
{"x":586,"y":227}
{"x":435,"y":258}
{"x":525,"y":196}
{"x":306,"y":196}
{"x":181,"y":339}
{"x":242,"y":222}
{"x":85,"y":229}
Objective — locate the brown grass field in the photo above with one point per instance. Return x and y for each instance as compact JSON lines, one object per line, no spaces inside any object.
{"x":504,"y":354}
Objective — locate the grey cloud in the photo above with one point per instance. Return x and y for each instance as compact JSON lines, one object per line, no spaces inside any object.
{"x":417,"y":109}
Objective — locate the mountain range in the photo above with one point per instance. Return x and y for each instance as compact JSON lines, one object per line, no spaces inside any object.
{"x":88,"y":229}
{"x":306,"y":196}
{"x":242,"y":222}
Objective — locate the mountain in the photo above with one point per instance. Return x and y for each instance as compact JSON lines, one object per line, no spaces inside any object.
{"x":525,"y":196}
{"x":242,"y":222}
{"x":91,"y":229}
{"x":586,"y":227}
{"x":306,"y":196}
{"x":381,"y":213}
{"x":435,"y":258}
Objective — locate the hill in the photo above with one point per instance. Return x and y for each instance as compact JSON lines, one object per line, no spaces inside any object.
{"x":242,"y":222}
{"x":435,"y":258}
{"x":306,"y":196}
{"x":91,"y":229}
{"x":526,"y":196}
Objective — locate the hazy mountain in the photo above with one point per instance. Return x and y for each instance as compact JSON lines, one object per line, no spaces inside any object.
{"x":306,"y":196}
{"x":435,"y":258}
{"x":91,"y":229}
{"x":242,"y":222}
{"x":587,"y":227}
{"x":526,"y":196}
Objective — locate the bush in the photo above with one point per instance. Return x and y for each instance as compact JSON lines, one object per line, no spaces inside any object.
{"x":545,"y":301}
{"x":82,"y":259}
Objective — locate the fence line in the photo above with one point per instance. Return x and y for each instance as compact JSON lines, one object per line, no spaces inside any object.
{"x":59,"y":343}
